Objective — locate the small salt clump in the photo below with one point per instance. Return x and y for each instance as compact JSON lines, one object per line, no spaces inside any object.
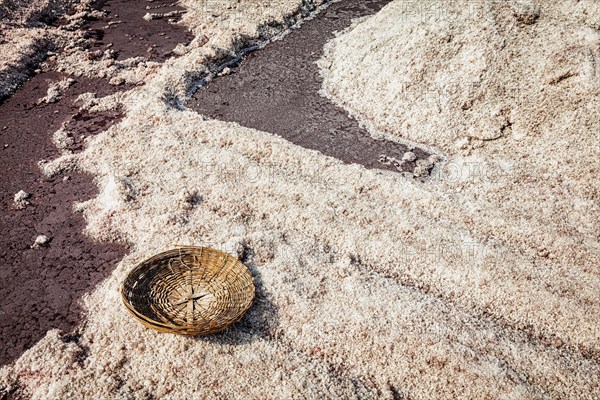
{"x":409,"y":156}
{"x":40,"y":241}
{"x":55,"y":90}
{"x":423,"y":167}
{"x":226,"y":71}
{"x":20,"y":199}
{"x":62,"y":139}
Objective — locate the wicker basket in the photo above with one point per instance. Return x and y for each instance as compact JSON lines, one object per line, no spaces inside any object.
{"x":189,"y":291}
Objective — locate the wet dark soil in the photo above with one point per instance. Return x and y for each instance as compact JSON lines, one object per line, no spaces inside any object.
{"x":40,"y":288}
{"x":276,"y":89}
{"x":130,"y":35}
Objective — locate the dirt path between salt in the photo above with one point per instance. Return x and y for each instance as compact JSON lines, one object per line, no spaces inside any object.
{"x":276,"y":89}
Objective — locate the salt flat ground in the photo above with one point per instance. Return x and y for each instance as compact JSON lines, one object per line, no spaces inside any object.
{"x":481,"y":282}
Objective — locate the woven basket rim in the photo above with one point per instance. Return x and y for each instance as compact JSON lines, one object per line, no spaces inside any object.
{"x":199,"y":329}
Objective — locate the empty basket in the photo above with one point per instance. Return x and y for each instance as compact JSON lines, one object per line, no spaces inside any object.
{"x":189,"y":291}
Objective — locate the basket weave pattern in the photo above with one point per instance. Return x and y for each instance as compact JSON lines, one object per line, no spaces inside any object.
{"x":189,"y":291}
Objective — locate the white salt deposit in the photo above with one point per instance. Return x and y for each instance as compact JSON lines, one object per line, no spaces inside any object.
{"x":20,"y":199}
{"x":55,"y":89}
{"x":40,"y":241}
{"x":481,"y":283}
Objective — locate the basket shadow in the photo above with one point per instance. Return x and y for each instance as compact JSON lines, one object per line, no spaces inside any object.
{"x":259,"y":322}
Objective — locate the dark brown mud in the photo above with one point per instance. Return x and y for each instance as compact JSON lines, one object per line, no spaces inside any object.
{"x":126,"y":32}
{"x":40,"y":288}
{"x":276,"y":89}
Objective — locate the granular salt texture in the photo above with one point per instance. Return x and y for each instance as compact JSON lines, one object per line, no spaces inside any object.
{"x":511,"y":92}
{"x":354,"y":299}
{"x":20,"y":49}
{"x":25,"y":37}
{"x":474,"y":69}
{"x":55,"y":90}
{"x":222,"y":28}
{"x":62,"y":139}
{"x":369,"y":285}
{"x":20,"y":199}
